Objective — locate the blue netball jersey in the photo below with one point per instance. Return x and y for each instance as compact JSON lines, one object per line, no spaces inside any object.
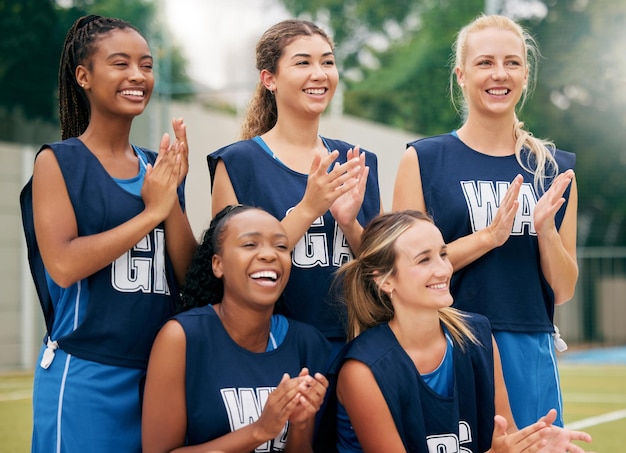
{"x":227,"y":386}
{"x":462,"y":190}
{"x":86,"y":394}
{"x":426,"y":420}
{"x":123,"y":305}
{"x":261,"y":180}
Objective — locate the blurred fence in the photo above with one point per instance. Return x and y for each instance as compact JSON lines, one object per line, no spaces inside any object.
{"x":597,"y":314}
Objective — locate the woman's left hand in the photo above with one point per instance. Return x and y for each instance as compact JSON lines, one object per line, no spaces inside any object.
{"x":180,"y":132}
{"x":560,"y":439}
{"x":312,"y":391}
{"x":551,"y":201}
{"x":345,"y":208}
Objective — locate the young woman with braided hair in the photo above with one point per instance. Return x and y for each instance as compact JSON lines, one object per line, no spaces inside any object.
{"x":108,"y":240}
{"x":506,"y":204}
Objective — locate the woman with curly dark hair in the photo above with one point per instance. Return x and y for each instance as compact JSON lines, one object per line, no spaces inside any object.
{"x":228,"y":374}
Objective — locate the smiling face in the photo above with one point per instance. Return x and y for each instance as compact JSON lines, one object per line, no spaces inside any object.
{"x":254,"y":260}
{"x":306,"y":76}
{"x":118,"y":77}
{"x":494,"y":71}
{"x":422,"y":270}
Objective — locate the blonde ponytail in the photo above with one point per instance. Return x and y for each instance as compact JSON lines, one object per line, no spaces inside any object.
{"x":540,"y":160}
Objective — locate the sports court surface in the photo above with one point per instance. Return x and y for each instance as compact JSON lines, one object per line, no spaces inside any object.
{"x":593,"y":382}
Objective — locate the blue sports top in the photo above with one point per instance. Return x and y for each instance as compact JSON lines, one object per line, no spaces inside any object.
{"x":462,"y":191}
{"x":227,"y":386}
{"x":263,"y":181}
{"x":426,"y":420}
{"x":112,"y":316}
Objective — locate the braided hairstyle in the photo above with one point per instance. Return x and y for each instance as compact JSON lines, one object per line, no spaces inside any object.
{"x":80,"y":44}
{"x":262,"y":112}
{"x":201,"y":286}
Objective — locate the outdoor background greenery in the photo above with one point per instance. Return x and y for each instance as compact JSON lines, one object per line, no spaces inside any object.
{"x":394,"y":59}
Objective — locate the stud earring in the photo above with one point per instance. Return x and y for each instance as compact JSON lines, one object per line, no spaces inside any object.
{"x":462,"y":85}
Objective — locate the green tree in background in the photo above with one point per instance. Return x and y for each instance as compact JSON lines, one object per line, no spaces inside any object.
{"x":411,"y":88}
{"x":580,"y":103}
{"x":394,"y":56}
{"x":33,"y":32}
{"x":29,"y":53}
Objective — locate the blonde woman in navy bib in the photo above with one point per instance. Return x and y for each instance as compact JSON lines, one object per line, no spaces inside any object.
{"x":506,"y":204}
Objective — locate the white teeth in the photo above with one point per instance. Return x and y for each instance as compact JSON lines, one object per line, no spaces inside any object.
{"x":132,"y":93}
{"x":315,"y":91}
{"x":498,"y":92}
{"x":439,"y":286}
{"x":265,"y":274}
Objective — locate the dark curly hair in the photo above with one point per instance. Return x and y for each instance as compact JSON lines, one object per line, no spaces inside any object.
{"x":201,"y":286}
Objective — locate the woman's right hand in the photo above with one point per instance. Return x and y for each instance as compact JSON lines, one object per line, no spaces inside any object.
{"x":540,"y":437}
{"x":502,"y":223}
{"x":159,"y":190}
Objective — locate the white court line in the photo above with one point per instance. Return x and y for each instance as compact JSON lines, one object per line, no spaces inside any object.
{"x":598,"y":420}
{"x":594,"y":398}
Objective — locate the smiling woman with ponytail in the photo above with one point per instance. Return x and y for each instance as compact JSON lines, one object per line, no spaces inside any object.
{"x":506,"y":203}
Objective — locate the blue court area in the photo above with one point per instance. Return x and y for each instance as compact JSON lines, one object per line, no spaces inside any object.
{"x":615,"y":355}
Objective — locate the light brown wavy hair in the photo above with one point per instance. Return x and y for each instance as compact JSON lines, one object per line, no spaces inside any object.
{"x":367,"y":304}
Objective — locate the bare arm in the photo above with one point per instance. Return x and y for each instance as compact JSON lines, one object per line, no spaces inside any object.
{"x":69,"y":257}
{"x":503,"y":407}
{"x":164,"y":415}
{"x":180,"y":241}
{"x":557,"y":249}
{"x":223,"y":193}
{"x":369,"y":414}
{"x":407,"y":189}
